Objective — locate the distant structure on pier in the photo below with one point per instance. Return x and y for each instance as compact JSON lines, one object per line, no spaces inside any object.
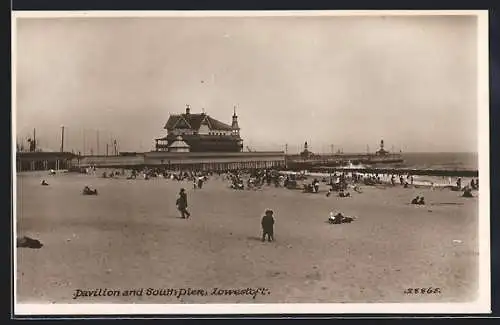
{"x":382,"y":151}
{"x":190,"y":132}
{"x":305,"y":154}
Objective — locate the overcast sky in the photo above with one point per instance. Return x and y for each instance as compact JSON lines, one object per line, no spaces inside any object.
{"x":346,"y":81}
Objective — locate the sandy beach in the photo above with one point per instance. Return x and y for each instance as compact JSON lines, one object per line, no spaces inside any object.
{"x":130,"y":236}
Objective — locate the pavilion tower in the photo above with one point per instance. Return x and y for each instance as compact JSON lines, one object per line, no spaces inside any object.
{"x":235,"y":127}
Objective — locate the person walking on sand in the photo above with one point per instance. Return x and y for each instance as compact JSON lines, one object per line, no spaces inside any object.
{"x":267,"y":223}
{"x":182,"y":204}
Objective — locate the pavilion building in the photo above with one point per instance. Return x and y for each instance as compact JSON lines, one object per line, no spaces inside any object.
{"x":200,"y":133}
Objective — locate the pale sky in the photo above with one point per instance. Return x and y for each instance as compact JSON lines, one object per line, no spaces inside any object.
{"x":346,"y":81}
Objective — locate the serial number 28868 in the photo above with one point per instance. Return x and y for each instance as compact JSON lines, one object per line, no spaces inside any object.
{"x":429,"y":290}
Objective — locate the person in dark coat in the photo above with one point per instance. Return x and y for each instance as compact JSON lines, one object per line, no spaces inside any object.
{"x":182,"y":204}
{"x":267,"y":223}
{"x":415,"y":200}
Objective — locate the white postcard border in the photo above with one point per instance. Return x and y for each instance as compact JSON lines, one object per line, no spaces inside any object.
{"x":480,"y":306}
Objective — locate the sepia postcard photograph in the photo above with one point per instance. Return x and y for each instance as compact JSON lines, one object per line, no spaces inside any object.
{"x":237,"y":162}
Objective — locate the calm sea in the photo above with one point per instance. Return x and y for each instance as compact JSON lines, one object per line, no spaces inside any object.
{"x":444,"y":160}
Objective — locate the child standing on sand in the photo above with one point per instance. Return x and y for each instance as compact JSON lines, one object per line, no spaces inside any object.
{"x":267,"y":223}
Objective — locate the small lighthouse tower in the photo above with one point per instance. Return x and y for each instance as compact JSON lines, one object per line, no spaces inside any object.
{"x":306,"y":153}
{"x":382,"y":151}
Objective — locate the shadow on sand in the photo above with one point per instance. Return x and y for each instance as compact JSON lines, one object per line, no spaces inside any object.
{"x":256,"y":238}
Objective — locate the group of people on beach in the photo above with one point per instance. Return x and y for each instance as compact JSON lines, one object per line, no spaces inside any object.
{"x":418,"y":200}
{"x":255,"y":179}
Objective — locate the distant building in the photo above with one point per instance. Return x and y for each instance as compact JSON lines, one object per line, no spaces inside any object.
{"x":200,"y":133}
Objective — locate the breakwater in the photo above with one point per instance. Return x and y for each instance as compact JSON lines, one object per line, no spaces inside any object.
{"x":339,"y":160}
{"x":401,"y":171}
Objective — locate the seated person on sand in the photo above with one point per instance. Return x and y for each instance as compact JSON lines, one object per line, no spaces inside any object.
{"x":467,"y":192}
{"x":87,"y":190}
{"x":104,"y":175}
{"x":44,"y":183}
{"x":335,"y":218}
{"x":415,"y":200}
{"x":474,"y":184}
{"x":316,"y":187}
{"x":357,"y":189}
{"x":421,"y":201}
{"x":237,"y":185}
{"x":344,"y":194}
{"x":52,"y":172}
{"x":309,"y":188}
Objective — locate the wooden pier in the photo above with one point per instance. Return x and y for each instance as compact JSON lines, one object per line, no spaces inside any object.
{"x":213,"y":161}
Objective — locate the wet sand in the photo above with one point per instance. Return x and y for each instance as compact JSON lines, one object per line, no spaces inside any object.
{"x":130,"y":236}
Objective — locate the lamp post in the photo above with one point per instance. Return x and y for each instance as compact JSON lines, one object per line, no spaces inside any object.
{"x":62,"y":138}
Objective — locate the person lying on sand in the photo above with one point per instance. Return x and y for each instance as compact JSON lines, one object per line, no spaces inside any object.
{"x":44,"y":183}
{"x":28,"y":242}
{"x":87,"y":190}
{"x":339,"y":218}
